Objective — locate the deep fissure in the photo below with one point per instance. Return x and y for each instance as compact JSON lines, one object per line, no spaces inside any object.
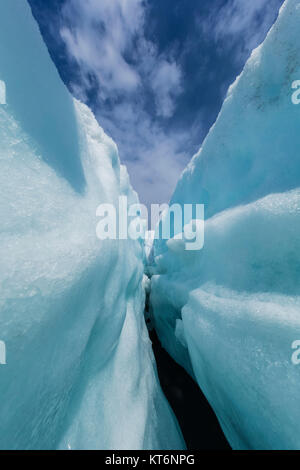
{"x":79,"y":372}
{"x":198,"y":422}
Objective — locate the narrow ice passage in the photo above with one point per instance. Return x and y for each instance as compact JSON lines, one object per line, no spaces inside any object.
{"x":80,"y":371}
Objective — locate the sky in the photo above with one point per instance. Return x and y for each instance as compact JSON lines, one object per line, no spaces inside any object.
{"x":154,"y":72}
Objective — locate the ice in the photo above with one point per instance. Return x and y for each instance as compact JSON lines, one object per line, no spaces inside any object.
{"x":80,"y":372}
{"x":76,"y":364}
{"x":229,"y":313}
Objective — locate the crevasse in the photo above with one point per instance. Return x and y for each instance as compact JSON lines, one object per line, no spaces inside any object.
{"x":80,"y":372}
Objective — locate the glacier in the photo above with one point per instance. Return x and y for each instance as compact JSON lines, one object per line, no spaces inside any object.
{"x":80,"y":371}
{"x":229,"y":313}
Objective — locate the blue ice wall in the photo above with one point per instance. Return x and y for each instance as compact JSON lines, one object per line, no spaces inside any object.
{"x":79,"y":370}
{"x":230,"y":312}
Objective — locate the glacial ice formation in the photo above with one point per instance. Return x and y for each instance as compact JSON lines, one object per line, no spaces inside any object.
{"x":231,"y":312}
{"x":80,"y":372}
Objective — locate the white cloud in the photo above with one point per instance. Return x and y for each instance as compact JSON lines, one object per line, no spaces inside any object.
{"x":97,"y":35}
{"x":107,"y":39}
{"x":101,"y":34}
{"x":242,"y":24}
{"x":166,"y":84}
{"x":154,"y":158}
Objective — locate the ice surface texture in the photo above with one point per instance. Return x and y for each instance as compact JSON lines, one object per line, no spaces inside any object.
{"x":230,"y":312}
{"x":80,"y":372}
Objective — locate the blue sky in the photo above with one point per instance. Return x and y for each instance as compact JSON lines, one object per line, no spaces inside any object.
{"x":155,"y":72}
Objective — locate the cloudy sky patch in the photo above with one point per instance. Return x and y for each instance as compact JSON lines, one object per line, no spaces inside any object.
{"x":155,"y":72}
